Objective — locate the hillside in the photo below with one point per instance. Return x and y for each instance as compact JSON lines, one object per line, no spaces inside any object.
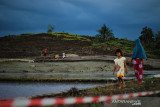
{"x":29,"y":45}
{"x":33,"y":44}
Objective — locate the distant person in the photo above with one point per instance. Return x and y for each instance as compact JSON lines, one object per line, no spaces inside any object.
{"x":45,"y":52}
{"x":63,"y":55}
{"x":138,"y":57}
{"x":120,"y":64}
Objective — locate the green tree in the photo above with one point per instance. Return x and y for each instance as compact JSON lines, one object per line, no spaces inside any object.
{"x":104,"y":32}
{"x":158,"y":40}
{"x":147,"y":35}
{"x":158,"y":36}
{"x":50,"y":28}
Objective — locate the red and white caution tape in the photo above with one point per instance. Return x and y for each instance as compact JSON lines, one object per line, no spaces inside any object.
{"x":73,"y":100}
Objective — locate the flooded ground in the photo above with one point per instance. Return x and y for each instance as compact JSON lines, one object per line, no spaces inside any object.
{"x":57,"y":70}
{"x":65,"y":70}
{"x":79,"y":75}
{"x":25,"y":89}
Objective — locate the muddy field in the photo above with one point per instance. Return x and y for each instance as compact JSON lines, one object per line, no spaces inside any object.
{"x":87,"y":66}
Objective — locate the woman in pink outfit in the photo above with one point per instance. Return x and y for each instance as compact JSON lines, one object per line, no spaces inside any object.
{"x":138,"y":60}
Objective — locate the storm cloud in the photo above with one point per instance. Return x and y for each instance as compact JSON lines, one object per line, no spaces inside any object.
{"x":125,"y":17}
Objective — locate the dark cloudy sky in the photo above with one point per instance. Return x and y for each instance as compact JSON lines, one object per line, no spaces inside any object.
{"x":125,"y":17}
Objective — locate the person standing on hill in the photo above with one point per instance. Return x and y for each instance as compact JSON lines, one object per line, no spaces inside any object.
{"x":45,"y":52}
{"x":138,"y":57}
{"x":63,"y":55}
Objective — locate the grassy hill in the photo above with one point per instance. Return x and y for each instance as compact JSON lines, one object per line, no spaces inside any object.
{"x":33,"y":44}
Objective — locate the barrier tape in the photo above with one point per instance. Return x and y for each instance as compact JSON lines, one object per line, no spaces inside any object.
{"x":72,"y":100}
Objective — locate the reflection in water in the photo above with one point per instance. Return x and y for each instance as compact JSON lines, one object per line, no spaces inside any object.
{"x":17,"y":89}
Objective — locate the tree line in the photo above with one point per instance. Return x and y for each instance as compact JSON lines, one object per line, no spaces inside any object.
{"x":147,"y":37}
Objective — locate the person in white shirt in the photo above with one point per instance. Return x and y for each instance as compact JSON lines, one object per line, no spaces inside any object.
{"x":120,"y":64}
{"x":63,"y":55}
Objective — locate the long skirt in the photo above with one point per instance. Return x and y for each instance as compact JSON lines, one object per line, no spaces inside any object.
{"x":138,"y":69}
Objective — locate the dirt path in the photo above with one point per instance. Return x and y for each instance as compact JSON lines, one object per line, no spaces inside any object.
{"x":149,"y":63}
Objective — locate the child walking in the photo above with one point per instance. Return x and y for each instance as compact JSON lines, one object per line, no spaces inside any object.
{"x":120,"y":64}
